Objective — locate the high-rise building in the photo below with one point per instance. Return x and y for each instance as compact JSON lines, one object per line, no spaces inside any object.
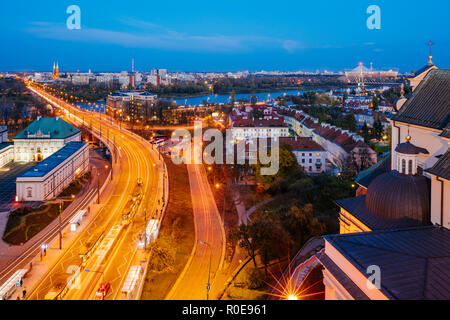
{"x":55,"y":71}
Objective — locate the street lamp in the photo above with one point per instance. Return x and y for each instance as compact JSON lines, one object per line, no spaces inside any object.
{"x":208,"y":287}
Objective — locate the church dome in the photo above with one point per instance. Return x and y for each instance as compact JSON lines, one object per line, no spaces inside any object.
{"x":395,"y":196}
{"x":408,"y":148}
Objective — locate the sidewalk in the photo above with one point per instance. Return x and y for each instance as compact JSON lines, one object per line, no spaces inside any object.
{"x":39,"y":264}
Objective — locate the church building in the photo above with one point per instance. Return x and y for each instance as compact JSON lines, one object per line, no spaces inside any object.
{"x":394,"y":241}
{"x":398,"y":230}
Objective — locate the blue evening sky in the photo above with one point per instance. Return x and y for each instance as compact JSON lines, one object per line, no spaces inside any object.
{"x":222,"y":35}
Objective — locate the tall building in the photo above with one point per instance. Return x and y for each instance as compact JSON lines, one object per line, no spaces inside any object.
{"x":129,"y":103}
{"x":394,"y":240}
{"x":55,"y":74}
{"x":401,"y":225}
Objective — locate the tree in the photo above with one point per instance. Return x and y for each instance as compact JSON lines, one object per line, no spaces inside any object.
{"x":375,"y":102}
{"x":365,"y":131}
{"x":287,"y":165}
{"x":269,"y":238}
{"x":243,"y":236}
{"x":301,"y":224}
{"x":378,"y":128}
{"x":344,"y":96}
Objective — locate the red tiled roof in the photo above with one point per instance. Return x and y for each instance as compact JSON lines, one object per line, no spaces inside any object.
{"x":301,"y":143}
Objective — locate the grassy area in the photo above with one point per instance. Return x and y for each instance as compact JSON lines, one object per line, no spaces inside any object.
{"x":26,"y":222}
{"x":176,"y":239}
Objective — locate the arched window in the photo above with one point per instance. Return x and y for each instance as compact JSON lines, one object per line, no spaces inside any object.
{"x":410,"y":170}
{"x":403,"y":166}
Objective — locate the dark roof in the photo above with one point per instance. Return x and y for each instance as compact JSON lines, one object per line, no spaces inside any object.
{"x":408,"y":148}
{"x":365,"y":177}
{"x":446,"y":131}
{"x":47,"y":165}
{"x":414,"y":262}
{"x":393,"y":196}
{"x":301,"y":144}
{"x":341,"y":277}
{"x":55,"y":127}
{"x":429,"y":105}
{"x":423,"y":69}
{"x":357,"y":207}
{"x":442,"y":167}
{"x":4,"y":145}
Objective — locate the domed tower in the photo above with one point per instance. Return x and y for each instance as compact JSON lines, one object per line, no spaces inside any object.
{"x":398,"y":196}
{"x":407,"y":157}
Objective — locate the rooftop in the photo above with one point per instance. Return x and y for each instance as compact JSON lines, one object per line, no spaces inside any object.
{"x":413,"y":261}
{"x":48,"y":128}
{"x":47,"y":165}
{"x":429,"y":105}
{"x":357,"y":207}
{"x":442,"y":167}
{"x":408,"y":148}
{"x":301,"y":144}
{"x":3,"y":145}
{"x":365,"y":177}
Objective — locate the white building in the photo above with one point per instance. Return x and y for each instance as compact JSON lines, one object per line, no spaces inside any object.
{"x":253,"y":122}
{"x":309,"y":154}
{"x":50,"y":177}
{"x":401,"y":225}
{"x":80,"y":79}
{"x":42,"y":138}
{"x":6,"y":148}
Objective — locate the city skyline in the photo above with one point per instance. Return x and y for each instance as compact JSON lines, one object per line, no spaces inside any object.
{"x":208,"y":38}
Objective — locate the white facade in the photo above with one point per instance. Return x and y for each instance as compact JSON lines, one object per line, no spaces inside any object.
{"x":51,"y":184}
{"x":440,"y":201}
{"x":6,"y":155}
{"x":6,"y":149}
{"x":311,"y":161}
{"x":420,"y":136}
{"x":40,"y":147}
{"x":80,"y":79}
{"x":436,"y":146}
{"x":248,"y":133}
{"x":335,"y":153}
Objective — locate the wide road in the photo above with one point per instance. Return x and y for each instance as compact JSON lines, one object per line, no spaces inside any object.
{"x":137,"y":160}
{"x":193,"y":281}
